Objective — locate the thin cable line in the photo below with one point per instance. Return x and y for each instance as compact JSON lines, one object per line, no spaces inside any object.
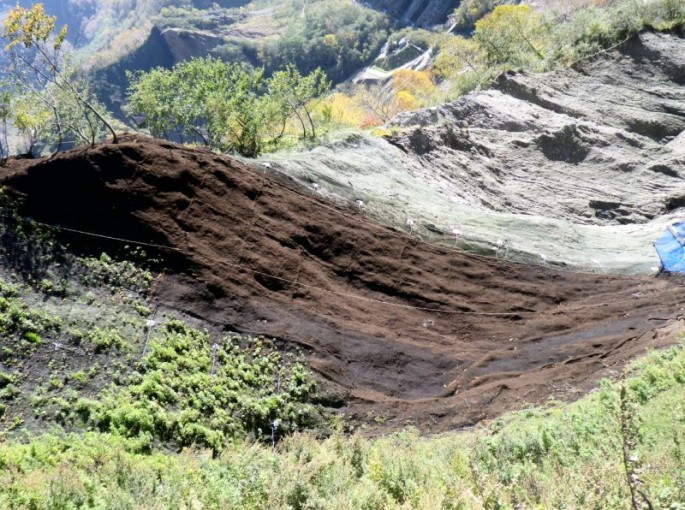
{"x":340,"y":294}
{"x":279,"y":278}
{"x":102,"y":236}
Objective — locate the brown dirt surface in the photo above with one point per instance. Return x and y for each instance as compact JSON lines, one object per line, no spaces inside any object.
{"x":407,"y":332}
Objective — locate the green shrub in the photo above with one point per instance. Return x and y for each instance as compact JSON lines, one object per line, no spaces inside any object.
{"x":9,"y":392}
{"x":559,"y":456}
{"x":7,"y":379}
{"x":32,"y":337}
{"x":190,"y":392}
{"x":106,"y":271}
{"x":470,"y":11}
{"x":106,"y":338}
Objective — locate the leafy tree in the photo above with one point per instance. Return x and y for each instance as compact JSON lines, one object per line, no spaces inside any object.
{"x":298,"y":93}
{"x":406,"y":90}
{"x":406,"y":101}
{"x":379,"y":101}
{"x":31,"y":118}
{"x":470,"y":11}
{"x":246,"y":115}
{"x":175,"y":103}
{"x":39,"y":64}
{"x":227,"y":106}
{"x":512,"y":36}
{"x":342,"y":109}
{"x":417,"y":83}
{"x":152,"y":97}
{"x":461,"y":64}
{"x":458,"y":55}
{"x":82,"y":124}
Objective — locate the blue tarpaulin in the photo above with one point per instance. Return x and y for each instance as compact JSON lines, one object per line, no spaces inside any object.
{"x":671,"y":248}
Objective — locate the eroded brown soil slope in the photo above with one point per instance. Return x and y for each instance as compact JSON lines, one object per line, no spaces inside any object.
{"x":406,"y":330}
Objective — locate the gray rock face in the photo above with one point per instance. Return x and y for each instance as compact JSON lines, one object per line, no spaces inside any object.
{"x":423,"y":13}
{"x":188,"y":44}
{"x":593,"y":144}
{"x":581,"y":167}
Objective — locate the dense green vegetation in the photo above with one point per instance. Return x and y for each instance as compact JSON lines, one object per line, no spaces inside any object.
{"x":509,"y":37}
{"x":470,"y":11}
{"x":191,"y":18}
{"x":338,"y":36}
{"x":83,"y":349}
{"x":188,"y":391}
{"x":168,"y":384}
{"x":237,"y":100}
{"x":225,"y":106}
{"x":626,"y":438}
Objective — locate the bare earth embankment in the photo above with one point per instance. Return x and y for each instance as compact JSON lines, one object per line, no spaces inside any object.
{"x":412,"y":332}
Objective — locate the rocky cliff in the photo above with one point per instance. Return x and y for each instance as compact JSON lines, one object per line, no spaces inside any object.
{"x":581,"y":167}
{"x":162,"y":48}
{"x":423,"y":13}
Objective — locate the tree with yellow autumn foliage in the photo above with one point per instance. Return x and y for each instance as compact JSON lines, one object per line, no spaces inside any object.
{"x":513,"y":35}
{"x":34,"y":47}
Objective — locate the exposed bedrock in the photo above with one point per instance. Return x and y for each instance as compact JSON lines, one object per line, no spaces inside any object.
{"x":577,"y":165}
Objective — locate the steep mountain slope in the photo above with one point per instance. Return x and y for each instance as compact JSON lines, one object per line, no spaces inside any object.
{"x":401,"y":329}
{"x":582,"y":167}
{"x":426,"y":13}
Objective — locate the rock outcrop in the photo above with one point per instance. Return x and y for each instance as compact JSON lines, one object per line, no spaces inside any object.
{"x":162,"y":48}
{"x":582,"y":166}
{"x":597,"y":133}
{"x":423,"y":13}
{"x":186,"y":44}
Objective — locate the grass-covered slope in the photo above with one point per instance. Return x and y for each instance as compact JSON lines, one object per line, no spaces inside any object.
{"x":626,"y":440}
{"x":86,"y":347}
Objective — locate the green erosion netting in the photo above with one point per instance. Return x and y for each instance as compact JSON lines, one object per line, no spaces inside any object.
{"x":375,"y":172}
{"x":580,"y":168}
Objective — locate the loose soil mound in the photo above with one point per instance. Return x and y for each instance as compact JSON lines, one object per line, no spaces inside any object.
{"x":407,"y":331}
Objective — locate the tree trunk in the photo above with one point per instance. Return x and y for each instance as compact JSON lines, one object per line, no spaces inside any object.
{"x":311,"y":123}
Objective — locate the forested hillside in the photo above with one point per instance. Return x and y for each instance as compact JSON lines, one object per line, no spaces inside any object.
{"x":376,"y":67}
